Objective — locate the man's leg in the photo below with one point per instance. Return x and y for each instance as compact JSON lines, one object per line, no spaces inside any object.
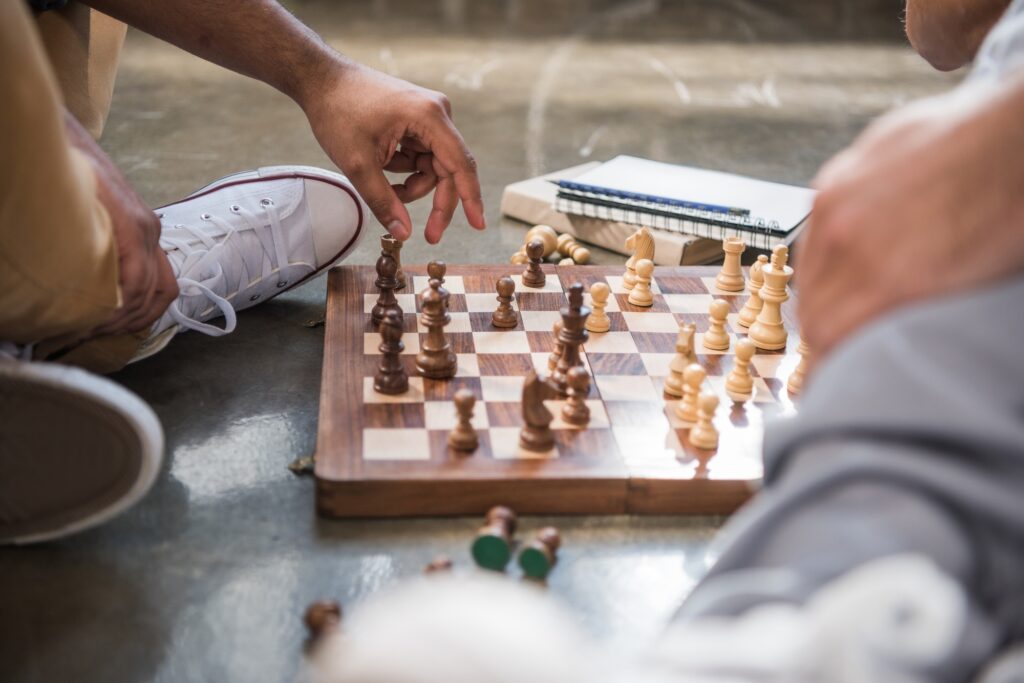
{"x":910,"y":440}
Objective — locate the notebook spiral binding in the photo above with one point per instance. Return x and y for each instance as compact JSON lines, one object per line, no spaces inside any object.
{"x":687,"y":220}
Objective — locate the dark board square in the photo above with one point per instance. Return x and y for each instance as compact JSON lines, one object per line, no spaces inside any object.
{"x":393,"y":415}
{"x":655,"y":342}
{"x":504,"y":364}
{"x":505,"y":414}
{"x":444,"y":389}
{"x":616,"y":364}
{"x":540,"y":301}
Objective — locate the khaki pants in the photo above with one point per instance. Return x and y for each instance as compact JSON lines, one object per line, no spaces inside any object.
{"x":58,"y":257}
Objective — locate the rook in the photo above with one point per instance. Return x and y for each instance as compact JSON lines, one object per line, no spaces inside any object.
{"x":730,"y":277}
{"x":389,"y":242}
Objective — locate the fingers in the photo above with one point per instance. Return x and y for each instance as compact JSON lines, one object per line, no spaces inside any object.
{"x":445,"y":200}
{"x":379,"y":196}
{"x":420,"y":183}
{"x":456,"y":159}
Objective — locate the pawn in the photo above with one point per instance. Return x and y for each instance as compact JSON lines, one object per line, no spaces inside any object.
{"x":693,"y":377}
{"x":575,"y":411}
{"x":539,"y":556}
{"x":739,"y":385}
{"x":505,"y":316}
{"x":492,"y":547}
{"x":730,"y":277}
{"x":598,"y":320}
{"x":533,"y":276}
{"x":685,"y":354}
{"x":716,"y":338}
{"x":322,"y":617}
{"x":463,"y":437}
{"x":796,"y":378}
{"x":556,"y":352}
{"x":641,"y":295}
{"x":704,"y":435}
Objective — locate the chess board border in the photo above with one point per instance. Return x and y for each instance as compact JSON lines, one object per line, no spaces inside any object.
{"x":450,"y":489}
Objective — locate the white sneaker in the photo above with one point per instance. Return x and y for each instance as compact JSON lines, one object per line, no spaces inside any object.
{"x":248,"y":237}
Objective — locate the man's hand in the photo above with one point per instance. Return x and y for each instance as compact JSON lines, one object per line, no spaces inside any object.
{"x":928,"y":201}
{"x":369,"y":122}
{"x":145,"y":277}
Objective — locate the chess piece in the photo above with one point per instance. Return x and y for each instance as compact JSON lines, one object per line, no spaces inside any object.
{"x":703,"y":435}
{"x":548,"y":237}
{"x":505,"y":316}
{"x":322,"y":617}
{"x":693,"y":377}
{"x":568,"y":246}
{"x":730,"y":277}
{"x":796,"y":378}
{"x":533,"y":276}
{"x":492,"y":547}
{"x":391,"y":377}
{"x":768,"y":332}
{"x":556,"y":352}
{"x":739,"y":385}
{"x":685,"y":354}
{"x":539,"y":556}
{"x":573,"y":335}
{"x":641,"y":246}
{"x":575,"y":411}
{"x":753,"y":305}
{"x":598,"y":320}
{"x":519,"y":258}
{"x":716,"y":338}
{"x":436,"y":359}
{"x":391,"y":243}
{"x":566,"y":262}
{"x":439,"y":565}
{"x":387,"y":282}
{"x":640,"y":294}
{"x":536,"y":434}
{"x":463,"y":437}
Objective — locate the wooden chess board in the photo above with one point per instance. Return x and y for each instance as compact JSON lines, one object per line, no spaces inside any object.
{"x":387,"y":456}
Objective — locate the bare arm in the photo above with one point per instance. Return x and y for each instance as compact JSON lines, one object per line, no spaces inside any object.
{"x":948,"y":33}
{"x":366,"y":121}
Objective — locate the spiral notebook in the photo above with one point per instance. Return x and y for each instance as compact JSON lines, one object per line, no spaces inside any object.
{"x":688,"y":200}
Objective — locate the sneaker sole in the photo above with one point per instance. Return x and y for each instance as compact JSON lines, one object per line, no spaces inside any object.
{"x":75,"y":450}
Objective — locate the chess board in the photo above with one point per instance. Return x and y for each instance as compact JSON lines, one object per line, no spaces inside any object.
{"x":387,"y":456}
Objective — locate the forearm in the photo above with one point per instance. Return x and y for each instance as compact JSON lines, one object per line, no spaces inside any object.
{"x":257,"y":38}
{"x":948,"y":33}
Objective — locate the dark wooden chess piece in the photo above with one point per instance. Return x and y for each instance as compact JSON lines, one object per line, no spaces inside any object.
{"x":572,"y":336}
{"x":436,"y":359}
{"x":387,"y":283}
{"x":389,"y":242}
{"x":391,"y":377}
{"x":463,"y":437}
{"x":575,"y":411}
{"x":536,"y":434}
{"x":539,"y":556}
{"x":505,"y":316}
{"x":436,"y":271}
{"x":533,"y":276}
{"x":322,"y":617}
{"x":492,"y":547}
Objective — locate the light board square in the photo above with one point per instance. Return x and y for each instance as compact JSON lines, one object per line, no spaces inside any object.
{"x":371,"y":340}
{"x":460,"y":323}
{"x":501,"y":342}
{"x":407,"y":302}
{"x":485,"y":303}
{"x":453,"y":284}
{"x":505,"y":446}
{"x":441,"y":415}
{"x":396,"y":444}
{"x":469,"y":365}
{"x":615,"y":283}
{"x":656,"y":364}
{"x":611,"y":342}
{"x":649,"y":321}
{"x":502,"y":389}
{"x":414,"y":395}
{"x":626,"y":388}
{"x":539,"y":321}
{"x":689,"y":303}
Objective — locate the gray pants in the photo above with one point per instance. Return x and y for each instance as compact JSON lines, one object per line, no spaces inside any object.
{"x":909,"y":439}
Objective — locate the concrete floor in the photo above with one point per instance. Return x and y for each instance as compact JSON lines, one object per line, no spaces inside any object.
{"x":207,"y":578}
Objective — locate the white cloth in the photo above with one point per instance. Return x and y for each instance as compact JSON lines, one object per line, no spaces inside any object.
{"x":1002,"y":53}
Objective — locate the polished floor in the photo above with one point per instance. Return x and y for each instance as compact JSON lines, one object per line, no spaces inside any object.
{"x":207,"y":578}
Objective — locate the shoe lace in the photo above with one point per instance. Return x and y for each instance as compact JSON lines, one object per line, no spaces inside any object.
{"x":206,"y":266}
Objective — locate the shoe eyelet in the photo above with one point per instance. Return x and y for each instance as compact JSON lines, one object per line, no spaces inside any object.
{"x":266,"y":202}
{"x":160,"y":215}
{"x":254,"y":297}
{"x":205,"y":216}
{"x":282,"y":284}
{"x":235,"y":208}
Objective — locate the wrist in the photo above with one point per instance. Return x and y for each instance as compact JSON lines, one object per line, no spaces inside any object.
{"x":321,"y":75}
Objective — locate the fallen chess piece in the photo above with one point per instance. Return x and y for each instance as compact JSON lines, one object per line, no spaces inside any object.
{"x":492,"y":547}
{"x":547,"y":236}
{"x":538,"y":558}
{"x":577,"y":253}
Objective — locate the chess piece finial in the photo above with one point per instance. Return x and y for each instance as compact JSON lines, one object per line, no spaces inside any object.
{"x":753,"y":304}
{"x":548,"y":237}
{"x":739,"y":385}
{"x":505,"y":317}
{"x":391,"y":243}
{"x":575,"y":411}
{"x":534,"y":276}
{"x":703,"y":435}
{"x":780,"y":257}
{"x":768,"y":331}
{"x":322,"y":617}
{"x":693,"y":377}
{"x":492,"y":547}
{"x":436,"y":270}
{"x":730,"y":277}
{"x":796,"y":379}
{"x":716,"y":338}
{"x":539,"y":557}
{"x":641,"y":294}
{"x":598,"y":320}
{"x":463,"y":437}
{"x":391,"y":377}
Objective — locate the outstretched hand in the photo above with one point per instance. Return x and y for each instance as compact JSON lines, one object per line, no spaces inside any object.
{"x":369,"y":122}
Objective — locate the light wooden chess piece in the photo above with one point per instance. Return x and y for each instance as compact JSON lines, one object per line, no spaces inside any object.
{"x":391,"y":377}
{"x":768,"y":332}
{"x":536,"y":434}
{"x":730,"y":277}
{"x":598,"y":320}
{"x":739,"y":385}
{"x":505,"y":316}
{"x":796,"y":379}
{"x":548,"y":237}
{"x":463,"y":437}
{"x":568,"y":246}
{"x":693,"y":377}
{"x":394,"y":245}
{"x":641,"y":295}
{"x":716,"y":338}
{"x":567,"y":262}
{"x":753,"y":305}
{"x":641,"y":246}
{"x":556,"y":351}
{"x":436,"y":270}
{"x":575,"y":411}
{"x":685,"y":354}
{"x":703,"y":435}
{"x":519,"y":258}
{"x":534,"y":276}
